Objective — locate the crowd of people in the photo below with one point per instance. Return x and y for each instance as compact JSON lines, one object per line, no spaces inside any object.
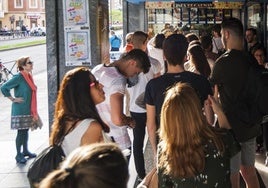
{"x":23,"y":31}
{"x":181,"y":88}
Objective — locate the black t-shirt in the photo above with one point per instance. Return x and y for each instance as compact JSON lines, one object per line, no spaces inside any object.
{"x":156,"y":88}
{"x":230,"y":74}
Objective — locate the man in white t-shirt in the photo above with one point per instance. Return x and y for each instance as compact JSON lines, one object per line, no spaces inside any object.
{"x":139,"y":41}
{"x":113,"y":77}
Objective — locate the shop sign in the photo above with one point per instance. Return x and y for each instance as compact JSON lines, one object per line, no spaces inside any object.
{"x":159,"y":5}
{"x":194,"y":5}
{"x":33,"y":16}
{"x":228,"y":5}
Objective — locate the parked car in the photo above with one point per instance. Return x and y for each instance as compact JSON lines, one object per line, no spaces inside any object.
{"x":5,"y":33}
{"x":38,"y":31}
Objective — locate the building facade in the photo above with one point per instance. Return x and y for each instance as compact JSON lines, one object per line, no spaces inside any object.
{"x":14,"y":13}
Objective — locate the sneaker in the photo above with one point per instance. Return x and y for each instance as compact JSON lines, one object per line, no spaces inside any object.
{"x":29,"y":154}
{"x":20,"y":159}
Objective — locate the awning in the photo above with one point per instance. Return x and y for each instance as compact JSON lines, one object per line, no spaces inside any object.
{"x":185,"y":1}
{"x":180,"y":1}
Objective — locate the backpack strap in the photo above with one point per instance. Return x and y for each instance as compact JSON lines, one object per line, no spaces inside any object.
{"x":68,"y":131}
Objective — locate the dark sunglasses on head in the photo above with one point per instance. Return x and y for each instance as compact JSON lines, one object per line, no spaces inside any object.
{"x":29,"y":62}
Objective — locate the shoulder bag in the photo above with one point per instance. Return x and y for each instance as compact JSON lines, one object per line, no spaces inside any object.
{"x":47,"y":161}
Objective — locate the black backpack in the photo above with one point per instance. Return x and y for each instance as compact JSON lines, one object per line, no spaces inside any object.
{"x":254,"y":110}
{"x":47,"y":161}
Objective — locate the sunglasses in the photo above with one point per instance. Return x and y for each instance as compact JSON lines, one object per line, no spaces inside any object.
{"x":94,"y":83}
{"x":29,"y":62}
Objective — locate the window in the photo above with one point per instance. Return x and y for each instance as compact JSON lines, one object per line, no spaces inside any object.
{"x":33,"y":4}
{"x":18,"y":3}
{"x":42,"y":3}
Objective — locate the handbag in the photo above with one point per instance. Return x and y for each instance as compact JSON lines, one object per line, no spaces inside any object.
{"x":47,"y":161}
{"x":150,"y":180}
{"x":37,"y":124}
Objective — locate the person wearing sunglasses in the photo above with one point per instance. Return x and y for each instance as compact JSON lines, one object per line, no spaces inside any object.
{"x":76,"y":117}
{"x":24,"y":106}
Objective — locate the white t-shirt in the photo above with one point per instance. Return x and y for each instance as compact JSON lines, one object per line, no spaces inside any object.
{"x":113,"y":82}
{"x":216,"y":44}
{"x":73,"y":139}
{"x":157,"y":54}
{"x":136,"y":90}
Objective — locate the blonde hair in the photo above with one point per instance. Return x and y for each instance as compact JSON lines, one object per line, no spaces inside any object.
{"x":21,"y":62}
{"x":183,"y":132}
{"x":129,"y":37}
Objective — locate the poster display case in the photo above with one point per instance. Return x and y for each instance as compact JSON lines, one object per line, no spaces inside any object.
{"x":76,"y":33}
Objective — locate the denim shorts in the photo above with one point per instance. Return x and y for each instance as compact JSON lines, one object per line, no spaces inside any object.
{"x":246,"y":157}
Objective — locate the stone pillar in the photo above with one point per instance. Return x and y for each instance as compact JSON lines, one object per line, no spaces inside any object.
{"x":56,"y":43}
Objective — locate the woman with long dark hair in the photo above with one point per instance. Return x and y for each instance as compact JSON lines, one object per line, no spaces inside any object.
{"x":75,"y":111}
{"x":198,"y":60}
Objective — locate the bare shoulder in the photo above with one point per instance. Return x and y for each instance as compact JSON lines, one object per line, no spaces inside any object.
{"x":94,"y":125}
{"x":93,"y":133}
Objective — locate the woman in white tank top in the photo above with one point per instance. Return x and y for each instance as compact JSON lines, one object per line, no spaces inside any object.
{"x":76,"y":115}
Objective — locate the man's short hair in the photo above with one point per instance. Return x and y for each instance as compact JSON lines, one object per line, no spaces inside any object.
{"x":191,"y":36}
{"x":253,"y":30}
{"x":217,"y":28}
{"x":175,"y":49}
{"x":139,"y":38}
{"x":233,"y":24}
{"x":158,"y":41}
{"x":206,"y":41}
{"x":140,"y":57}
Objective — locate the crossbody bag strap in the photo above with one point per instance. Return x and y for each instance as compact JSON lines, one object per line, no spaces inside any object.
{"x":68,"y":131}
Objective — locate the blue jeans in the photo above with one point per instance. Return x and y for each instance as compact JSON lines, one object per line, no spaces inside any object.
{"x":138,"y":134}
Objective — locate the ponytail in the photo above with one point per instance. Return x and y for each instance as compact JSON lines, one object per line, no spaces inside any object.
{"x":61,"y":178}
